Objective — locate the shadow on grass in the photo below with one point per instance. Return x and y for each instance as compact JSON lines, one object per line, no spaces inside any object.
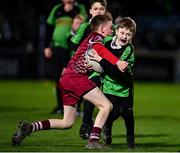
{"x":158,"y":117}
{"x":157,"y":144}
{"x":142,"y":135}
{"x":147,"y":145}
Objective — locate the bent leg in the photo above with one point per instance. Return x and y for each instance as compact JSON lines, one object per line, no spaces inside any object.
{"x":26,"y":128}
{"x":96,"y":97}
{"x":67,"y":121}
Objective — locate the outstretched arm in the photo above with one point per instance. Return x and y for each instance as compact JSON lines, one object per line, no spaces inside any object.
{"x":103,"y":52}
{"x":112,"y":70}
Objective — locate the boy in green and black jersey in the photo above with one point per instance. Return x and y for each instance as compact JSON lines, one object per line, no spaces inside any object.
{"x":117,"y":85}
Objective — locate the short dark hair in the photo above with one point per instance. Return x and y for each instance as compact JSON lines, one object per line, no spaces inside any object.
{"x":99,"y":20}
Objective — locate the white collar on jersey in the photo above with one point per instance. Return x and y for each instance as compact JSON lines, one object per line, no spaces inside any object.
{"x":113,"y":43}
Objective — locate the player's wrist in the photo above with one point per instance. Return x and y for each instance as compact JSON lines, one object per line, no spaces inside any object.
{"x":99,"y":59}
{"x":118,"y":62}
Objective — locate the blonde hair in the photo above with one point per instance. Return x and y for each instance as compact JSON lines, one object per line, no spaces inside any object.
{"x":79,"y":17}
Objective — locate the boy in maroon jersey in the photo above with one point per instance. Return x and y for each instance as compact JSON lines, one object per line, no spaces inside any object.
{"x":75,"y":85}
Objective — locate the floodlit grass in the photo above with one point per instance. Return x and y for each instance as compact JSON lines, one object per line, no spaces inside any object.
{"x":157,"y":119}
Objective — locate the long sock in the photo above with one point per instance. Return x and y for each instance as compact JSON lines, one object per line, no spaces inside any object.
{"x":40,"y":125}
{"x":95,"y":135}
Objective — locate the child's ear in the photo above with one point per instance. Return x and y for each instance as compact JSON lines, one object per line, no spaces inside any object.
{"x":90,"y":11}
{"x":116,"y":31}
{"x":102,"y":29}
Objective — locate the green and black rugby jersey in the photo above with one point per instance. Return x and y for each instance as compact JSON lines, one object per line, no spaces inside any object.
{"x":62,"y":21}
{"x":114,"y":81}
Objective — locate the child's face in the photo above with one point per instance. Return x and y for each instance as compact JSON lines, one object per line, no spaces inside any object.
{"x":124,"y":36}
{"x":106,"y":29}
{"x":97,"y":9}
{"x":76,"y":23}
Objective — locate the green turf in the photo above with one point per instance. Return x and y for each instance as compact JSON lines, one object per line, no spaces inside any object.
{"x":157,"y":119}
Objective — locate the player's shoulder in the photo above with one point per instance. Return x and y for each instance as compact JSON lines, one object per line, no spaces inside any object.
{"x":129,"y":46}
{"x":56,"y":8}
{"x":107,"y":39}
{"x":84,"y":25}
{"x":83,"y":28}
{"x":95,"y":39}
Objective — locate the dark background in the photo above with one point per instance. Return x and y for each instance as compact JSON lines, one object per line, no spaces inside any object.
{"x":157,"y":41}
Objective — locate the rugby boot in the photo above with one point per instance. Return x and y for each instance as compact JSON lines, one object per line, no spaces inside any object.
{"x":24,"y":129}
{"x":85,"y":130}
{"x":96,"y":145}
{"x":130,"y":142}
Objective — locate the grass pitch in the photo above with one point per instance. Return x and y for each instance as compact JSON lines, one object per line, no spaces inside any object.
{"x":157,"y":119}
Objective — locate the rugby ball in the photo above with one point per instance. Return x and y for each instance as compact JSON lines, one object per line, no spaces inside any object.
{"x":95,"y":65}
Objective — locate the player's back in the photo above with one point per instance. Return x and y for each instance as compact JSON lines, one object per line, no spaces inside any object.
{"x":78,"y":61}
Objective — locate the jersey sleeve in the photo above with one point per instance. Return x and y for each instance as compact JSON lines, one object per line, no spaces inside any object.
{"x":77,"y":38}
{"x":51,"y":18}
{"x":128,"y":55}
{"x":105,"y":53}
{"x":113,"y":71}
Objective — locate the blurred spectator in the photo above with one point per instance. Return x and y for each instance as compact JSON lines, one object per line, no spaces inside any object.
{"x":59,"y":24}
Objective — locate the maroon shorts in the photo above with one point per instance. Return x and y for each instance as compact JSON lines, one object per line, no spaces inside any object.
{"x":74,"y":86}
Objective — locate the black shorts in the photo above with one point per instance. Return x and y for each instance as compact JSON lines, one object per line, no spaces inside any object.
{"x":121,"y":106}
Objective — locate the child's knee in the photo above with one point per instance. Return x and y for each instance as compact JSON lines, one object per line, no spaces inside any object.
{"x":68,"y":125}
{"x":109,"y":107}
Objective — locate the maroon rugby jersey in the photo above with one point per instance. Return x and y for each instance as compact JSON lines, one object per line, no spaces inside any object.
{"x":77,"y":62}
